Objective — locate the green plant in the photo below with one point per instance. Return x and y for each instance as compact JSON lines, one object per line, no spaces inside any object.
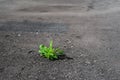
{"x":50,"y":52}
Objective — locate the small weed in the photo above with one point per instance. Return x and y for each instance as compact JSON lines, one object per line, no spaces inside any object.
{"x":50,"y":52}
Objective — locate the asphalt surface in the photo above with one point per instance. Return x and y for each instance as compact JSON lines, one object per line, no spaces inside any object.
{"x":90,"y":29}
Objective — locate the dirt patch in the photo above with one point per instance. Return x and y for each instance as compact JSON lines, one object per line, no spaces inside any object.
{"x":19,"y":59}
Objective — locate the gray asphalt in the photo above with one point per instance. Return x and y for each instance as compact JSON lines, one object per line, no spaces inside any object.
{"x":95,"y":23}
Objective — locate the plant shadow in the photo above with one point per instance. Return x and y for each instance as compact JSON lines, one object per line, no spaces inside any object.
{"x":62,"y":57}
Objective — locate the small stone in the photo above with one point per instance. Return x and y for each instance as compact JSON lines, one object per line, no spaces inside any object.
{"x":87,"y":62}
{"x":95,"y":61}
{"x":71,"y":46}
{"x":30,"y":76}
{"x":83,"y":55}
{"x":36,"y":77}
{"x":19,"y":35}
{"x":51,"y":77}
{"x":109,"y":69}
{"x":31,"y":51}
{"x":68,"y":41}
{"x":3,"y":54}
{"x":54,"y":78}
{"x":75,"y":71}
{"x":36,"y":32}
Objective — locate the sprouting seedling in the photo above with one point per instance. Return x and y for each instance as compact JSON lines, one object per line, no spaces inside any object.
{"x":50,"y":52}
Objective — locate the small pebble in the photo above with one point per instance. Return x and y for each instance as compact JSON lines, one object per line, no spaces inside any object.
{"x":36,"y":32}
{"x":83,"y":55}
{"x":36,"y":77}
{"x":95,"y":61}
{"x":30,"y":76}
{"x":109,"y":69}
{"x":68,"y":41}
{"x":71,"y":46}
{"x":19,"y":35}
{"x":87,"y":62}
{"x":75,"y":71}
{"x":54,"y":78}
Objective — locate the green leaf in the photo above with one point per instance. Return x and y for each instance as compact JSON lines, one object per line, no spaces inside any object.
{"x":51,"y":44}
{"x":50,"y":52}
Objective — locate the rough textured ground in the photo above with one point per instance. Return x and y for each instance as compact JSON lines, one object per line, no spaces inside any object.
{"x":87,"y":30}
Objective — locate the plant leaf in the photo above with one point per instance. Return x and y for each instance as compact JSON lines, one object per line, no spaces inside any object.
{"x":50,"y":52}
